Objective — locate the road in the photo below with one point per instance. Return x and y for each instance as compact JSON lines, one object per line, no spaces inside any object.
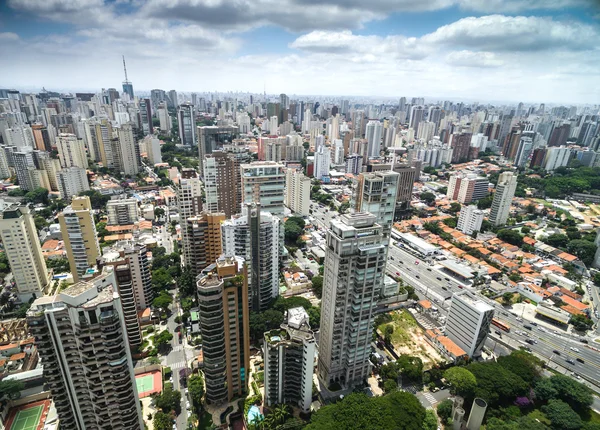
{"x":164,"y":238}
{"x":424,"y":278}
{"x":323,"y":215}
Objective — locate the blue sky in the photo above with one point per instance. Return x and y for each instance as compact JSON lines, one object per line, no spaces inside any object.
{"x":488,"y":50}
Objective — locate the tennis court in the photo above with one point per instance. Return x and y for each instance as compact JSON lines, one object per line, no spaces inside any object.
{"x":27,"y":419}
{"x":148,"y":383}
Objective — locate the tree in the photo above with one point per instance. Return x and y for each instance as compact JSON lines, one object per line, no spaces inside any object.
{"x":387,"y":334}
{"x":444,"y":410}
{"x":169,"y":400}
{"x":158,"y":212}
{"x":162,"y":301}
{"x":556,"y":240}
{"x":510,"y":236}
{"x":39,"y":195}
{"x":4,"y":264}
{"x":389,"y":385}
{"x":562,"y":416}
{"x":317,"y":285}
{"x":11,"y":389}
{"x":97,"y":199}
{"x":564,"y":388}
{"x":485,"y":203}
{"x":495,"y":383}
{"x":596,"y":279}
{"x":196,"y":389}
{"x":162,"y":340}
{"x":582,"y":249}
{"x":507,"y":298}
{"x":454,"y":207}
{"x":581,"y":322}
{"x":525,"y":229}
{"x":433,"y":227}
{"x":161,"y":279}
{"x":451,"y":222}
{"x":461,"y":381}
{"x":523,"y":364}
{"x":101,"y":230}
{"x":410,"y":367}
{"x":186,"y":282}
{"x":428,"y":197}
{"x":293,"y":229}
{"x":162,"y":421}
{"x":59,"y":265}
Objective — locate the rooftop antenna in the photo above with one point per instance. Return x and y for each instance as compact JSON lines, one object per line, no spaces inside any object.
{"x":125,"y":69}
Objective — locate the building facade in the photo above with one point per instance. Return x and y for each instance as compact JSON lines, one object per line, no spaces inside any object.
{"x":72,"y":181}
{"x":263,"y":183}
{"x":204,"y":234}
{"x":122,"y":211}
{"x":469,"y":322}
{"x":297,"y":196}
{"x":505,"y":191}
{"x":470,"y":219}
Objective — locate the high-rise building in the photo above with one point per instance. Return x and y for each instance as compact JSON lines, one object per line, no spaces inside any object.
{"x":469,"y":219}
{"x":555,"y":157}
{"x":524,"y":151}
{"x":71,"y":151}
{"x":322,"y":163}
{"x":559,"y":135}
{"x":122,"y":211}
{"x":127,"y":85}
{"x":23,"y":251}
{"x":166,"y":123}
{"x":354,"y":164}
{"x":80,"y":237}
{"x":222,"y":183}
{"x":189,"y":202}
{"x":72,"y":181}
{"x":467,"y":187}
{"x":186,"y":122}
{"x":224,"y":325}
{"x":376,"y":193}
{"x":284,"y":101}
{"x":460,"y":144}
{"x":408,"y":174}
{"x":355,"y":259}
{"x":505,"y":191}
{"x":255,"y":235}
{"x":146,"y":116}
{"x":41,"y":137}
{"x":204,"y":234}
{"x":373,"y":135}
{"x":126,"y":156}
{"x":172,"y":99}
{"x":469,"y":322}
{"x":211,"y":138}
{"x":297,"y":196}
{"x":263,"y":183}
{"x":81,"y":335}
{"x":153,"y":153}
{"x":289,"y":361}
{"x":416,"y":116}
{"x":158,"y":96}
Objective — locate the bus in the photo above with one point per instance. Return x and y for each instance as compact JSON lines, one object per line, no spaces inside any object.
{"x":501,"y":325}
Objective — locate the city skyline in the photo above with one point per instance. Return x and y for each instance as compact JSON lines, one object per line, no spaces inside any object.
{"x":504,"y":51}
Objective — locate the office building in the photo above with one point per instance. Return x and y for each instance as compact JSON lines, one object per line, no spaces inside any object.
{"x":373,"y":134}
{"x":470,"y":219}
{"x":408,"y":174}
{"x":263,"y":183}
{"x":80,"y":333}
{"x":322,"y":163}
{"x":211,"y":138}
{"x":71,"y":151}
{"x":203,"y":231}
{"x":468,"y":322}
{"x":355,"y":259}
{"x":224,"y":325}
{"x":467,"y":187}
{"x":189,"y":203}
{"x":23,"y":251}
{"x":416,"y":116}
{"x":524,"y":150}
{"x":166,"y":123}
{"x":72,"y":181}
{"x":297,"y":195}
{"x":186,"y":122}
{"x":376,"y":193}
{"x":146,"y":116}
{"x":79,"y":235}
{"x":289,"y":361}
{"x":557,"y":157}
{"x":505,"y":191}
{"x":172,"y":100}
{"x":122,"y":211}
{"x":158,"y":96}
{"x":255,"y":235}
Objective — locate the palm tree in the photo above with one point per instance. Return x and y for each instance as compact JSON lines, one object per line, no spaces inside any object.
{"x":279,"y":414}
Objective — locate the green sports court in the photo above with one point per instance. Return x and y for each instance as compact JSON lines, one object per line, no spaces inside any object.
{"x":30,"y":417}
{"x":148,"y":383}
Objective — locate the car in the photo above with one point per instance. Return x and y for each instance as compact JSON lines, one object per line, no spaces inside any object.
{"x":582,"y":340}
{"x":556,"y":352}
{"x":391,"y":258}
{"x":429,"y":269}
{"x":528,"y":327}
{"x":498,"y":332}
{"x":397,"y":273}
{"x":444,"y":288}
{"x":531,"y":341}
{"x":568,"y":360}
{"x":533,"y":323}
{"x":519,"y":319}
{"x":417,"y":276}
{"x":438,"y":278}
{"x":447,"y":279}
{"x":461,"y":287}
{"x":572,"y":348}
{"x":580,"y":360}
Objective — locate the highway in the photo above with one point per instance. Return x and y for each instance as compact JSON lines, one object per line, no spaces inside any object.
{"x":423,"y":277}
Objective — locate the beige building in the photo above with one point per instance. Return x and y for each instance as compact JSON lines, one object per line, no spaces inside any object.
{"x":71,"y":151}
{"x":24,"y":253}
{"x":204,"y":234}
{"x":224,"y":324}
{"x":80,"y":333}
{"x":79,"y":234}
{"x":297,"y":196}
{"x":263,"y":182}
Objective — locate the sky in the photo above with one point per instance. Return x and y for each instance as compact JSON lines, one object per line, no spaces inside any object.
{"x":487,"y":50}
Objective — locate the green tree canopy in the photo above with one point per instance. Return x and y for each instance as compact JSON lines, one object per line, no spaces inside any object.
{"x":410,"y":367}
{"x":428,"y":197}
{"x":564,"y":388}
{"x":317,"y":285}
{"x":39,"y":195}
{"x":495,"y":383}
{"x":162,"y":421}
{"x":562,"y":416}
{"x":523,"y":364}
{"x":582,"y":249}
{"x":444,"y":410}
{"x":461,"y":380}
{"x":510,"y":236}
{"x":196,"y":389}
{"x":556,"y":240}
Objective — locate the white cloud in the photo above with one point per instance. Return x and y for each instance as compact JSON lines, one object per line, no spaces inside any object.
{"x":516,"y":6}
{"x":473,"y":59}
{"x":7,"y":36}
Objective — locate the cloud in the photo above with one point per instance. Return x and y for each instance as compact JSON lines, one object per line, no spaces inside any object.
{"x":344,"y":42}
{"x":501,"y":33}
{"x":9,"y":36}
{"x":517,"y":6}
{"x":473,"y":59}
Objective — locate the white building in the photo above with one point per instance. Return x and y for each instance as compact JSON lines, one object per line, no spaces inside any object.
{"x":505,"y":191}
{"x":469,"y":322}
{"x":556,"y":157}
{"x":322,"y":162}
{"x":289,"y":361}
{"x":297,"y":196}
{"x":72,"y":181}
{"x":373,"y":136}
{"x":470,"y":219}
{"x":153,"y":150}
{"x":165,"y":121}
{"x":338,"y":152}
{"x":263,"y":182}
{"x":23,"y":251}
{"x":122,"y":211}
{"x":128,"y":151}
{"x":71,"y":151}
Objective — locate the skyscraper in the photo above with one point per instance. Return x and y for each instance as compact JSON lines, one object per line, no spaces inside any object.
{"x":289,"y":361}
{"x":373,"y":136}
{"x":355,"y":259}
{"x":263,"y":183}
{"x":80,"y":333}
{"x":71,"y":151}
{"x":255,"y":235}
{"x":126,"y":156}
{"x":146,"y":116}
{"x":127,"y":85}
{"x":23,"y":251}
{"x":222,"y":183}
{"x":408,"y":174}
{"x":376,"y":193}
{"x":297,"y":196}
{"x":470,"y":219}
{"x":211,"y":138}
{"x":505,"y":191}
{"x":203,"y":232}
{"x":80,"y":237}
{"x":165,"y":120}
{"x":189,"y":202}
{"x":187,"y":124}
{"x":322,"y":163}
{"x":469,"y":322}
{"x":416,"y":116}
{"x":224,"y":325}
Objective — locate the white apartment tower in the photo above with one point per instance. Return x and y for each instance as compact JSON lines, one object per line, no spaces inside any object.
{"x":470,"y":219}
{"x":71,"y":151}
{"x":355,"y":260}
{"x":505,"y":191}
{"x":72,"y":181}
{"x":24,"y":253}
{"x":254,"y":235}
{"x":322,"y":162}
{"x":189,"y":202}
{"x":289,"y":361}
{"x":297,"y":196}
{"x":263,"y":183}
{"x":80,"y":333}
{"x":165,"y":120}
{"x":122,"y":211}
{"x":129,"y":151}
{"x":373,"y":136}
{"x":469,"y":322}
{"x":376,"y":193}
